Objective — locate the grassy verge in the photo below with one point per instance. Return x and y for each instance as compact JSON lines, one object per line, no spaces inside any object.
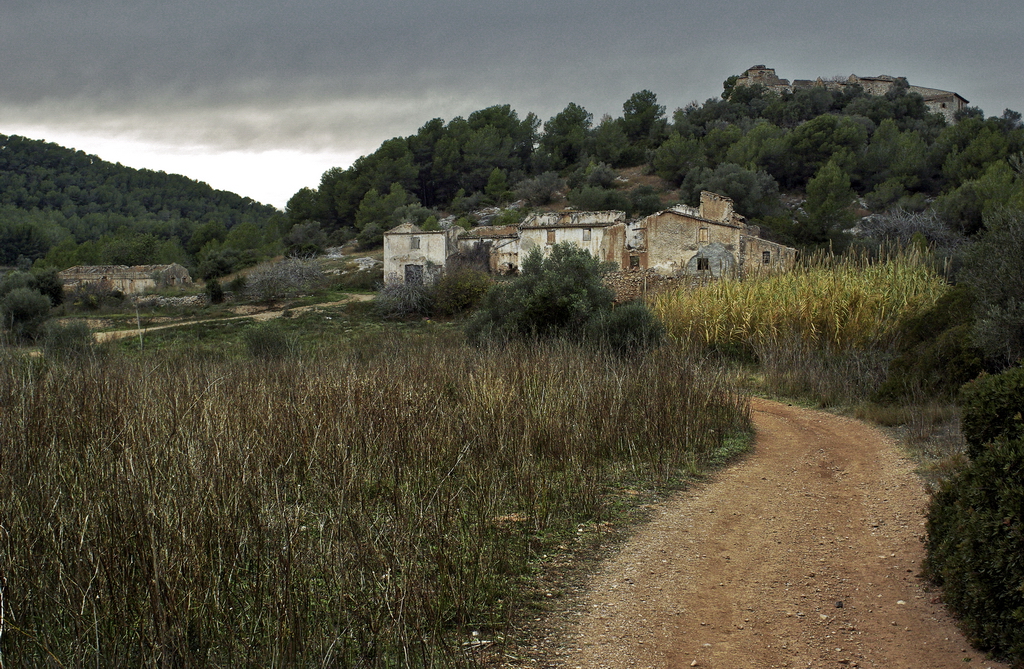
{"x":367,"y":504}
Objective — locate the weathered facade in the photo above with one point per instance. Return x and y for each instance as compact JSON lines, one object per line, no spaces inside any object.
{"x":602,"y":233}
{"x":708,"y":241}
{"x":129,"y":280}
{"x":938,"y":101}
{"x":705,"y":242}
{"x":417,"y":256}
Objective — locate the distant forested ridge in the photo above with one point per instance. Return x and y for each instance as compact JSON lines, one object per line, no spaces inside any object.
{"x":67,"y":207}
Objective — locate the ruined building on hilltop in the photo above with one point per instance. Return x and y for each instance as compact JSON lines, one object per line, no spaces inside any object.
{"x":938,"y":101}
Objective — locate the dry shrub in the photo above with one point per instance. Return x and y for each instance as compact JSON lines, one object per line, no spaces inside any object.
{"x":275,"y":280}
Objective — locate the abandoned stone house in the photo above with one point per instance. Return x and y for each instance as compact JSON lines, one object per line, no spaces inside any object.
{"x":710,"y":241}
{"x":128,"y":280}
{"x":412,"y":255}
{"x":938,"y":101}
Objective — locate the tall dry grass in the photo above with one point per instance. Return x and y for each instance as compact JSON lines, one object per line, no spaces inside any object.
{"x":362,"y":507}
{"x":824,"y":330}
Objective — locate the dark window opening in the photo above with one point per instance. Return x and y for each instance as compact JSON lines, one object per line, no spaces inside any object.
{"x":766,"y":256}
{"x":414,"y":275}
{"x":634,"y":261}
{"x":703,"y":264}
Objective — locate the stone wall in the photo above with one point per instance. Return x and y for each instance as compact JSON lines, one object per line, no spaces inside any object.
{"x":639,"y":283}
{"x":161,"y":301}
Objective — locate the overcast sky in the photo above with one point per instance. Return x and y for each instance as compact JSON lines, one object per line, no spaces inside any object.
{"x":261,"y":96}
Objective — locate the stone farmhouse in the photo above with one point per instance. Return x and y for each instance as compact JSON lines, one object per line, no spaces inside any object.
{"x":938,"y":101}
{"x":705,"y":242}
{"x":711,"y":240}
{"x":128,"y":280}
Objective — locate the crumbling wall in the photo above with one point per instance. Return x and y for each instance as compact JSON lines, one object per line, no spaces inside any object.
{"x":764,"y":257}
{"x":715,"y":207}
{"x":637,"y":284}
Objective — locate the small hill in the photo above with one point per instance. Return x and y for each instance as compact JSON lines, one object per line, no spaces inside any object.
{"x":51,"y":195}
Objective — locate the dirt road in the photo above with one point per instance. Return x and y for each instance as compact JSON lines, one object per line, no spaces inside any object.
{"x":805,"y":554}
{"x":260,"y":315}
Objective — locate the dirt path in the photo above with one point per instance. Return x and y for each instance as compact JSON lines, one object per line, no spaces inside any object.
{"x":113,"y":335}
{"x":805,"y":554}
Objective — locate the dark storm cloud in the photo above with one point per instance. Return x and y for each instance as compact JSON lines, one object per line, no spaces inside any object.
{"x":307,"y":73}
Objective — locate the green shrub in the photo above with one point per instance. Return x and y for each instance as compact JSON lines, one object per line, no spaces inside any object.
{"x":269,"y":341}
{"x":626,"y":329}
{"x":23,"y":311}
{"x":993,"y":407}
{"x":644,"y":201}
{"x":215,"y":291}
{"x":975,"y":547}
{"x":935,"y":350}
{"x":459,"y":290}
{"x":363,"y":279}
{"x":237,"y":284}
{"x":49,"y":284}
{"x":552,"y":296}
{"x":94,"y":297}
{"x":539,"y":190}
{"x":595,"y":198}
{"x":371,"y":236}
{"x":994,"y":267}
{"x":66,"y":342}
{"x":14,"y":280}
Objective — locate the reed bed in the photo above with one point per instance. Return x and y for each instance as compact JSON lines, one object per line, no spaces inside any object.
{"x":829,"y":301}
{"x":365,"y":506}
{"x":825,"y":329}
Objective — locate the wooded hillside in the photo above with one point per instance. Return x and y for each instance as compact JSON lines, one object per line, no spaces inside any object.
{"x":71,"y":208}
{"x":830,"y":147}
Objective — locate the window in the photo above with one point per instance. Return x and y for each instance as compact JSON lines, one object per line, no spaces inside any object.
{"x":703,"y":264}
{"x":586,"y":234}
{"x":702,"y":236}
{"x":414,"y":243}
{"x":634,"y":261}
{"x":551,"y":236}
{"x":766,"y":256}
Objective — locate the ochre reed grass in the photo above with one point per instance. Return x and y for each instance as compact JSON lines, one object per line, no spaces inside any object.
{"x":834,"y":302}
{"x":823,"y":331}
